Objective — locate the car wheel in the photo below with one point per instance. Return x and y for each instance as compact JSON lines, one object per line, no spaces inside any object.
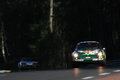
{"x":19,"y":68}
{"x":103,"y":63}
{"x":75,"y":65}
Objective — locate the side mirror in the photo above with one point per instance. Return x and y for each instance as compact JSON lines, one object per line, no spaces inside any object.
{"x":103,"y":49}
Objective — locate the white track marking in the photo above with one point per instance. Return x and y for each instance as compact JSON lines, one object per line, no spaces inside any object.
{"x":104,"y":74}
{"x":116,"y":71}
{"x":89,"y":77}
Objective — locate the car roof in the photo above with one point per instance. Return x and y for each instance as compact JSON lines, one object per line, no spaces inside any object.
{"x":88,"y":42}
{"x":28,"y":58}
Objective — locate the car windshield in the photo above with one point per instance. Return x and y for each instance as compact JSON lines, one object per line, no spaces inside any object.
{"x":86,"y":46}
{"x":28,"y":59}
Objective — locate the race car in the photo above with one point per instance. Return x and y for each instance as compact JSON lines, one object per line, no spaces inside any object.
{"x":28,"y":63}
{"x":88,"y":52}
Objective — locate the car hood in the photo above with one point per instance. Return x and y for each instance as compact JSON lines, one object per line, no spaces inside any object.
{"x":88,"y":51}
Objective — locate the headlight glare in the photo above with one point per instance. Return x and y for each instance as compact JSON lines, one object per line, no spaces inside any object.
{"x":75,"y":55}
{"x":100,"y":54}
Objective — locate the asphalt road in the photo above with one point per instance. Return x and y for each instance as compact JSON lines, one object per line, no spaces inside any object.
{"x":89,"y":72}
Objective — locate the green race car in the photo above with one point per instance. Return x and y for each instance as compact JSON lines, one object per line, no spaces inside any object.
{"x":88,"y":52}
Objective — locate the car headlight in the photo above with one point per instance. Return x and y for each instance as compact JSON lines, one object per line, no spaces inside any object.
{"x":100,"y":55}
{"x":75,"y":55}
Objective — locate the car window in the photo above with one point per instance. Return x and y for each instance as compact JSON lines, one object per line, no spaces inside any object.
{"x":28,"y":59}
{"x":84,"y":46}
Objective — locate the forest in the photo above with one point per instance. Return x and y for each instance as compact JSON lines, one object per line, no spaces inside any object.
{"x":25,"y":30}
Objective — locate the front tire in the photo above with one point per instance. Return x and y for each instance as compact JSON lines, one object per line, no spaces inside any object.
{"x":75,"y":64}
{"x":103,"y":63}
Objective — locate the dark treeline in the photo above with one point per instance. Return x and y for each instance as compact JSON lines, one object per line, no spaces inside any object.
{"x":26,"y":29}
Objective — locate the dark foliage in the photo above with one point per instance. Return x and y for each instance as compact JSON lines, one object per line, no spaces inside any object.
{"x":26,"y":29}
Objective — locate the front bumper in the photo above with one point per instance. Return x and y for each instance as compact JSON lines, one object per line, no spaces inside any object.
{"x":27,"y":66}
{"x":89,"y":60}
